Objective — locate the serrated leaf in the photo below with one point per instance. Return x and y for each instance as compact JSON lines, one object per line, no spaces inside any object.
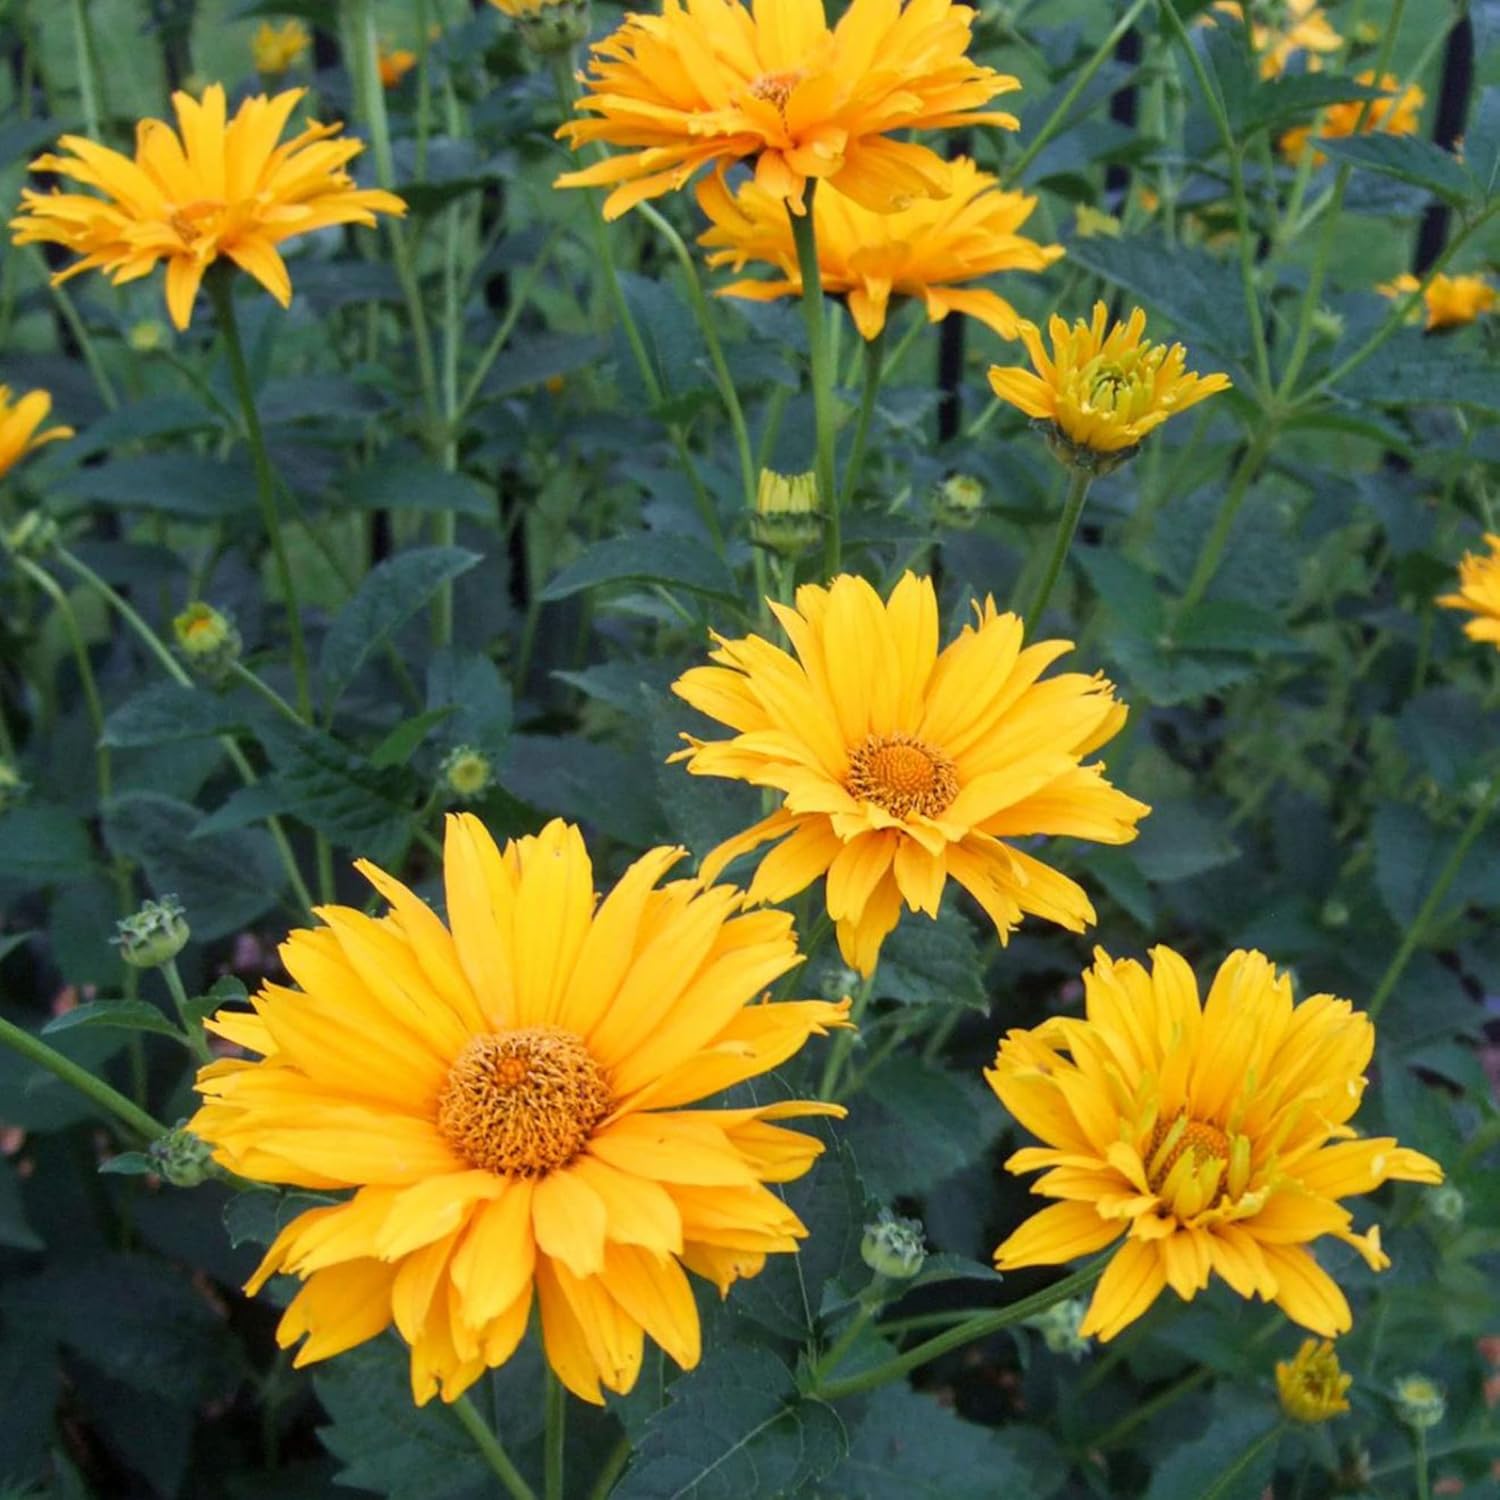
{"x":413,"y":483}
{"x":1411,"y":370}
{"x":648,"y":558}
{"x":1293,"y":97}
{"x":167,"y":712}
{"x":42,"y":844}
{"x":188,"y":485}
{"x":470,"y":684}
{"x":1180,"y":840}
{"x":590,"y":783}
{"x":258,"y":1216}
{"x":1407,"y":158}
{"x":934,"y":963}
{"x":401,"y":743}
{"x":1411,"y":852}
{"x":1233,"y":1459}
{"x":126,"y":1015}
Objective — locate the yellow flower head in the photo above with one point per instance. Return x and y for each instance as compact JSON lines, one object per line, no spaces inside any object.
{"x":506,"y":1095}
{"x":1103,"y":389}
{"x":1479,"y":592}
{"x":394,"y":65}
{"x":903,"y":765}
{"x":715,"y":81}
{"x":277,"y":49}
{"x":1301,"y":27}
{"x":1397,"y":115}
{"x":1213,"y":1138}
{"x":1450,"y":301}
{"x":206,"y":189}
{"x":925,"y":250}
{"x":1312,"y":1387}
{"x":19,"y":421}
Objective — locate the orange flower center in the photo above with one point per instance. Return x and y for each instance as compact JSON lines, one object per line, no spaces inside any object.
{"x":902,"y":775}
{"x":523,"y":1102}
{"x":1171,"y":1140}
{"x":192,"y":220}
{"x":776,"y":88}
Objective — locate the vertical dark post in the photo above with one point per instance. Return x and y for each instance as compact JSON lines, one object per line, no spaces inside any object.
{"x":951,"y":346}
{"x":326,"y":53}
{"x":1453,"y":108}
{"x":1123,"y":106}
{"x":173,"y":23}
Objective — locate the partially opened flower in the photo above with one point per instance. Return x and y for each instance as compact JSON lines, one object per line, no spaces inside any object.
{"x":1297,"y":26}
{"x":927,"y":250}
{"x":1204,"y":1138}
{"x":1103,"y":389}
{"x":277,"y":49}
{"x":511,"y":1098}
{"x":1479,"y":592}
{"x":19,"y":421}
{"x":211,"y":188}
{"x":712,"y":81}
{"x":1449,"y":301}
{"x":902,"y":765}
{"x":1399,"y":114}
{"x":1312,"y":1387}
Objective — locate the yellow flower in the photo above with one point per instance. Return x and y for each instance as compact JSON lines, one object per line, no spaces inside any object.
{"x":1398,"y":115}
{"x":1103,"y":389}
{"x":713,"y":81}
{"x":1451,"y":301}
{"x":1213,"y":1137}
{"x":924,"y":250}
{"x":1303,"y":27}
{"x":505,"y":1094}
{"x":903,"y":765}
{"x":19,"y":421}
{"x":277,"y":49}
{"x":395,"y":65}
{"x":215,"y":189}
{"x":1479,"y":592}
{"x":1312,"y":1387}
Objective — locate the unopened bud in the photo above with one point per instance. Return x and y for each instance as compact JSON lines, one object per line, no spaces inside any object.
{"x":1312,"y":1386}
{"x":467,"y":773}
{"x":1420,"y":1402}
{"x":548,"y":25}
{"x":181,"y":1158}
{"x":958,"y":501}
{"x":149,"y":336}
{"x":154,"y":935}
{"x":786,"y":519}
{"x":12,"y":788}
{"x":839,"y":982}
{"x":208,"y":640}
{"x":1335,"y":913}
{"x":1327,"y":325}
{"x":1446,"y":1205}
{"x":1059,"y":1327}
{"x":893,"y":1247}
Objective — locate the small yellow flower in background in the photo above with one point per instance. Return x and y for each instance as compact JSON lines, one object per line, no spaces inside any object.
{"x":712,"y":81}
{"x":394,"y":65}
{"x":902,"y":765}
{"x":1450,"y":301}
{"x":219,"y":188}
{"x":1398,"y":115}
{"x":19,"y":421}
{"x":510,"y":1098}
{"x":1091,"y":223}
{"x":1104,"y":388}
{"x":1213,"y":1136}
{"x":924,"y":250}
{"x":278,"y":49}
{"x":1301,"y":26}
{"x":1312,"y":1387}
{"x":786,"y":518}
{"x":1479,"y":592}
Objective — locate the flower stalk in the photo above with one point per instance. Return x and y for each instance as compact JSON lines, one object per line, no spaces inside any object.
{"x":1079,"y":480}
{"x":805,"y":236}
{"x":492,"y":1450}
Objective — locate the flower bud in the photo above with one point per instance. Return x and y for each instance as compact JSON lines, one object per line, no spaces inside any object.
{"x":958,"y":501}
{"x":1327,"y":325}
{"x":1335,"y":913}
{"x":839,"y":982}
{"x":154,"y":935}
{"x":548,"y":25}
{"x":208,"y":640}
{"x":786,"y":518}
{"x":181,"y":1158}
{"x":893,"y":1247}
{"x":1312,"y":1387}
{"x":1420,"y":1403}
{"x":148,"y":336}
{"x":1059,"y":1325}
{"x":1445,"y":1204}
{"x":34,"y":535}
{"x":12,"y":788}
{"x":467,"y":773}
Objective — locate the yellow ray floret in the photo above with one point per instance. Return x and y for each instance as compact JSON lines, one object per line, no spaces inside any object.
{"x":715,"y":81}
{"x":1449,"y":301}
{"x":1479,"y":592}
{"x":19,"y":421}
{"x":504,"y":1097}
{"x":1205,"y":1137}
{"x":1302,"y":26}
{"x":1398,"y":115}
{"x":1103,"y":388}
{"x":211,"y":187}
{"x":901,"y":765}
{"x":927,"y":250}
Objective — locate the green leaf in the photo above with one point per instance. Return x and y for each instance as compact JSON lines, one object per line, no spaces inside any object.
{"x":258,"y":1216}
{"x":1163,"y":673}
{"x":934,"y":963}
{"x":646,"y":558}
{"x":590,"y":783}
{"x":1410,"y":853}
{"x":402,"y":742}
{"x":155,"y":417}
{"x":1407,"y":158}
{"x":531,"y":362}
{"x":42,"y":844}
{"x":15,"y":1228}
{"x":470,"y":683}
{"x":38,"y":1100}
{"x":127,"y":1015}
{"x":1230,"y":625}
{"x":1294,"y":97}
{"x":417,"y":484}
{"x":11,"y":941}
{"x":734,"y":1428}
{"x":129,"y":1164}
{"x":245,"y":806}
{"x":1214,"y":1466}
{"x":1482,"y":145}
{"x":388,"y":597}
{"x":1411,"y":370}
{"x":23,"y":138}
{"x":1180,"y":840}
{"x":167,"y":712}
{"x":188,"y":485}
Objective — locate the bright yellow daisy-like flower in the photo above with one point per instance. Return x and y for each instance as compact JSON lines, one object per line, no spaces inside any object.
{"x":276,"y":49}
{"x":1450,"y":301}
{"x":715,"y":81}
{"x":1302,"y":26}
{"x":1398,"y":115}
{"x":1213,"y":1137}
{"x":210,"y":188}
{"x":1104,"y":388}
{"x":510,"y":1096}
{"x":925,"y":250}
{"x":19,"y":421}
{"x":903,"y":765}
{"x":1312,"y":1387}
{"x":1479,"y":592}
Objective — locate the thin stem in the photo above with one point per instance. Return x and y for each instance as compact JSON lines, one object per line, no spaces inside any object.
{"x":221,"y":289}
{"x":843,"y":1042}
{"x":1223,"y":1484}
{"x":874,"y":362}
{"x":870,"y":1303}
{"x":805,"y":235}
{"x":1419,"y":1456}
{"x":87,"y":87}
{"x":1067,"y":524}
{"x":1435,"y":895}
{"x":1218,"y":539}
{"x":241,"y":673}
{"x":613,"y":1467}
{"x":978,"y":1327}
{"x":197,"y":1039}
{"x":489,"y":1445}
{"x":79,"y":330}
{"x":555,"y":1441}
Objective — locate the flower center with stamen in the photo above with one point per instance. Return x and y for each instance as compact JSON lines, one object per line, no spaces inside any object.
{"x":902,"y":775}
{"x":523,"y":1102}
{"x":776,"y":88}
{"x":1169,"y":1144}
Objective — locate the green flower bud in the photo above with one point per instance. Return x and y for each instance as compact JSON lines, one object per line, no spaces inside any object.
{"x":467,"y":773}
{"x":1059,"y":1325}
{"x":1327,"y":325}
{"x":1335,"y":913}
{"x":958,"y":501}
{"x":208,"y":640}
{"x":1446,"y":1205}
{"x":1420,"y":1403}
{"x":549,"y":25}
{"x":839,"y":982}
{"x":34,"y":535}
{"x":148,"y":336}
{"x":12,"y":788}
{"x":181,"y":1158}
{"x":786,"y":519}
{"x":893,"y":1247}
{"x":154,"y":935}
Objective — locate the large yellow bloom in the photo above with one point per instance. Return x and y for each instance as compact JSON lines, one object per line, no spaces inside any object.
{"x":1213,"y":1137}
{"x":1450,"y":301}
{"x":1302,"y":27}
{"x":903,"y":765}
{"x":19,"y":421}
{"x":1398,"y":115}
{"x":713,"y":81}
{"x":1104,"y":388}
{"x":924,"y":250}
{"x":1479,"y":592}
{"x":215,"y":189}
{"x":506,"y":1094}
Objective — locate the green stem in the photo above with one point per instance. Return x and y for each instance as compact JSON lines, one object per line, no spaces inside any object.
{"x":1226,"y":1480}
{"x":1218,"y":539}
{"x":978,"y":1327}
{"x":555,"y":1441}
{"x":1435,"y":895}
{"x":79,"y":330}
{"x":843,"y":1041}
{"x":874,"y":362}
{"x":221,"y":288}
{"x":805,"y":235}
{"x":1419,"y":1457}
{"x":494,"y":1454}
{"x":197,"y":1039}
{"x":1067,"y":524}
{"x":871,"y":1301}
{"x":613,"y":1467}
{"x":108,"y":1099}
{"x":241,"y":673}
{"x":87,"y":86}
